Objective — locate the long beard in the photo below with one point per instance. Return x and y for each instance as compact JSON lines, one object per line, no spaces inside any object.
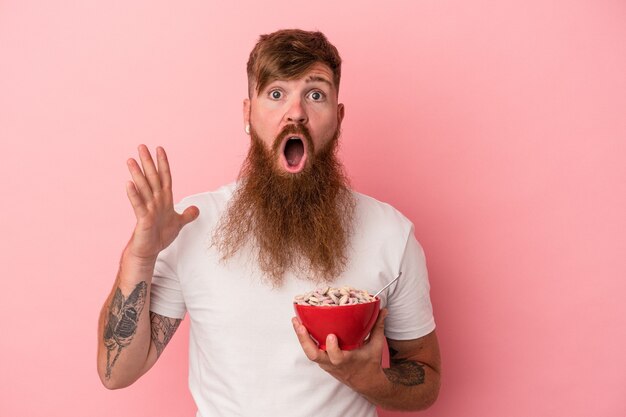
{"x":294,"y":222}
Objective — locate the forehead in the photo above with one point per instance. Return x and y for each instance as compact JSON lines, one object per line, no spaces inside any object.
{"x":318,"y":72}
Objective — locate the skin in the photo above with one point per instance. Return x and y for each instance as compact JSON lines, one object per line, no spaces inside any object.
{"x":311,"y":100}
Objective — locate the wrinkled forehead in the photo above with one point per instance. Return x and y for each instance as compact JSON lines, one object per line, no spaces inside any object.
{"x":317,"y":72}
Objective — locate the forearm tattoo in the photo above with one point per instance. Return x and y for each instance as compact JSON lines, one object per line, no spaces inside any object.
{"x":404,"y":371}
{"x":163,"y":328}
{"x":122,"y":322}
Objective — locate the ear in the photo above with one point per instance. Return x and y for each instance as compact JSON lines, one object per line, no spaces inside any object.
{"x":246,"y":114}
{"x":341,"y":112}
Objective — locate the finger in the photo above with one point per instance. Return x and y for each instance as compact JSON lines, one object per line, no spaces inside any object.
{"x":140,"y":180}
{"x":308,"y":345}
{"x":148,"y":167}
{"x":190,"y":214}
{"x":335,"y":354}
{"x":164,"y":169}
{"x":135,"y":200}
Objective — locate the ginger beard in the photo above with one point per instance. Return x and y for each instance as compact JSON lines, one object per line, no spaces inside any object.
{"x":299,"y":222}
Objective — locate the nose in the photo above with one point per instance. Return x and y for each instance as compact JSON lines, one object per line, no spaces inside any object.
{"x":296,"y":113}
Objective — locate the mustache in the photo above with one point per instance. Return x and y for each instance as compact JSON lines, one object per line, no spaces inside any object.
{"x":293,"y":129}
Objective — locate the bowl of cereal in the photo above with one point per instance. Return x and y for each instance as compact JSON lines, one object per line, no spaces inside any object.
{"x":346,"y":312}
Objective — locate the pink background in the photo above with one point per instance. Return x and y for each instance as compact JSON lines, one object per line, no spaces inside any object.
{"x":497,"y":127}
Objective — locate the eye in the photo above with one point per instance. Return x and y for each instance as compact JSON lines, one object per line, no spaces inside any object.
{"x":276,"y":94}
{"x":316,"y":95}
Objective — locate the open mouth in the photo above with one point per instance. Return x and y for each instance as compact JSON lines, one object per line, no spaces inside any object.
{"x":294,"y":154}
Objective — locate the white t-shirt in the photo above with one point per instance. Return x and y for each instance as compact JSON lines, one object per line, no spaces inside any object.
{"x":244,"y":356}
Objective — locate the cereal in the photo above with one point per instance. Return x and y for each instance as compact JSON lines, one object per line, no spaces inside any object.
{"x":327,"y":296}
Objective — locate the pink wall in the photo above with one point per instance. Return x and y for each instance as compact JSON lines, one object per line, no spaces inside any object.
{"x":498,"y":127}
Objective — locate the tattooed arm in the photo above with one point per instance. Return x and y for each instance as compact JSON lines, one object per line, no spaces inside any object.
{"x":124,"y":325}
{"x":413,"y":375}
{"x":130,"y":339}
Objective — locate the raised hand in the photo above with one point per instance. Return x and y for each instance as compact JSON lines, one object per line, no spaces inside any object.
{"x":150,"y":194}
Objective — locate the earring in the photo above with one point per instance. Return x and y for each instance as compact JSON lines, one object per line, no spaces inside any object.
{"x":247,"y":129}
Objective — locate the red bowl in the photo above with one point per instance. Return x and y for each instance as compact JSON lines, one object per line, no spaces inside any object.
{"x":350,"y":323}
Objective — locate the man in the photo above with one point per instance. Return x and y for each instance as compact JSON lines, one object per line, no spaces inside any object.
{"x":290,"y":223}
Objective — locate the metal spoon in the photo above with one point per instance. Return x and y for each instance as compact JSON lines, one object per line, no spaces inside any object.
{"x":386,"y":286}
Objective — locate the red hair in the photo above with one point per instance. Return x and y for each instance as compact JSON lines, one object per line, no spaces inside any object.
{"x":287,"y":54}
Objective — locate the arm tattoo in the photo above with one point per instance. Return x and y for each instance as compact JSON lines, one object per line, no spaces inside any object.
{"x":163,"y":329}
{"x":122,"y":322}
{"x":404,"y":371}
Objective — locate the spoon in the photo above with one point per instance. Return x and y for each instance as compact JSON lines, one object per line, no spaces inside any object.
{"x":386,"y":286}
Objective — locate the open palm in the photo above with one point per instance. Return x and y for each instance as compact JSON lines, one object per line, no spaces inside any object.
{"x":150,"y":194}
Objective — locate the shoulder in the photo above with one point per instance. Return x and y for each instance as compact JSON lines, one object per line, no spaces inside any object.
{"x":380,"y":215}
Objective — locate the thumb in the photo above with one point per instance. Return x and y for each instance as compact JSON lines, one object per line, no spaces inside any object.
{"x":190,"y":214}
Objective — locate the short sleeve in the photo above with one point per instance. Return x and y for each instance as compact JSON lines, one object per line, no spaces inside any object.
{"x":410,"y":310}
{"x":166,"y":297}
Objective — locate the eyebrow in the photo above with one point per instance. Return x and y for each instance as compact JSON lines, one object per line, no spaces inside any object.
{"x":310,"y":79}
{"x":314,"y":78}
